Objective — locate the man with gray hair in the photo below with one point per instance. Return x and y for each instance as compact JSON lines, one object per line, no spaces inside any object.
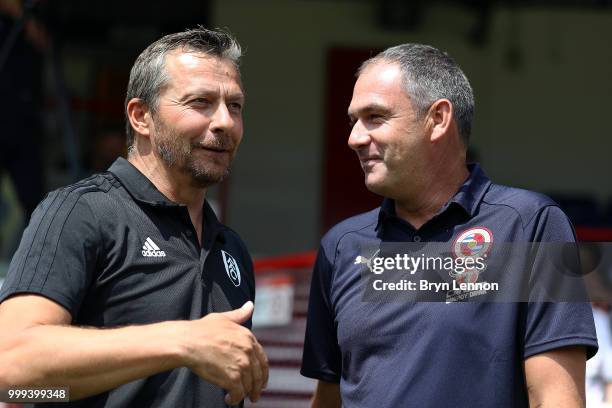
{"x":126,"y":288}
{"x":411,"y":116}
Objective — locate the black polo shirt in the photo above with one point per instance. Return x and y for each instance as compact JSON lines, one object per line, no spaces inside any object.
{"x":114,"y":251}
{"x":437,"y":354}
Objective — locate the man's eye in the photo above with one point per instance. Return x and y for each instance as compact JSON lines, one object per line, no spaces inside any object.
{"x":235,"y":106}
{"x":200,"y":101}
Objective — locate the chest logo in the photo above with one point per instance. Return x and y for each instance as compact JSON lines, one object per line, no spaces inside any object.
{"x":231,"y":268}
{"x":150,"y":249}
{"x":473,"y":242}
{"x":366,"y":261}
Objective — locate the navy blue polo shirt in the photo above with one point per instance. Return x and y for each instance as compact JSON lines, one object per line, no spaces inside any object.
{"x":436,"y":354}
{"x":114,"y":251}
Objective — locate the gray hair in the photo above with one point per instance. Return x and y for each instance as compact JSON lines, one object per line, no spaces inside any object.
{"x":148,"y":75}
{"x":428,"y":75}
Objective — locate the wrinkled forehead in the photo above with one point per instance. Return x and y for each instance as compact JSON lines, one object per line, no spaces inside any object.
{"x":183,"y":67}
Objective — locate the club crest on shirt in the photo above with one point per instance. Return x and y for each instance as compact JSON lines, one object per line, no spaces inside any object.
{"x":231,"y":268}
{"x":473,"y":242}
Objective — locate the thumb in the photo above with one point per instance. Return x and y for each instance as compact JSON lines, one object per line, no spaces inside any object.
{"x":242,"y":314}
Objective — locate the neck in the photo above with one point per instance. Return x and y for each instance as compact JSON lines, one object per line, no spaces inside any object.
{"x":176,"y":186}
{"x":441,"y":184}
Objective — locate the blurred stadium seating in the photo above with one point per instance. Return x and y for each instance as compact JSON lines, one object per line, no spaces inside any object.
{"x":283,"y":343}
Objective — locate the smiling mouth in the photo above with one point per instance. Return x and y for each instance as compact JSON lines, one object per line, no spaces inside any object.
{"x":368,"y":163}
{"x":213,"y":149}
{"x":366,"y":160}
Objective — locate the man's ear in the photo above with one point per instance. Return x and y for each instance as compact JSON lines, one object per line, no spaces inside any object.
{"x":140,"y":116}
{"x":441,"y":117}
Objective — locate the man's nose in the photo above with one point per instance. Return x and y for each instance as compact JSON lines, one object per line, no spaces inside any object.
{"x":359,"y":136}
{"x":222,"y":119}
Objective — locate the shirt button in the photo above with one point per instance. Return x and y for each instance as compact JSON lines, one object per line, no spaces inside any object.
{"x":188,"y":233}
{"x":416,"y":238}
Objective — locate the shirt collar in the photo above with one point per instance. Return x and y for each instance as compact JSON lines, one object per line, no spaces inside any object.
{"x":213,"y":229}
{"x":470,"y":194}
{"x":468,"y":197}
{"x":138,"y":185}
{"x":143,"y":190}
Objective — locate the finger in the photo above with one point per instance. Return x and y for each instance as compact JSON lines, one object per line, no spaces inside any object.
{"x":241,"y":314}
{"x":257,"y":376}
{"x":247,"y":379}
{"x":263,"y":363}
{"x":235,"y":394}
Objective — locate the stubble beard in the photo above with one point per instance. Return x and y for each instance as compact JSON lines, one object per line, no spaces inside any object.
{"x":177,"y":153}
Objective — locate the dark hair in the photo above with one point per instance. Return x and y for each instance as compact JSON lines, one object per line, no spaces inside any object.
{"x":428,"y":75}
{"x":148,"y":75}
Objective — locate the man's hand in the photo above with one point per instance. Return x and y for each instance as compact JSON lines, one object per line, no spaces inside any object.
{"x":227,"y":354}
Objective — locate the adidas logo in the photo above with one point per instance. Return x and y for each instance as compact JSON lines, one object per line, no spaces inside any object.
{"x":150,"y":249}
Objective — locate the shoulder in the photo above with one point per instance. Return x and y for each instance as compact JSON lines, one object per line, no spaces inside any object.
{"x":95,"y":186}
{"x":233,"y":242}
{"x":357,"y":223}
{"x":74,"y":200}
{"x":353,"y":227}
{"x":99,"y":182}
{"x":232,"y":237}
{"x":527,"y":205}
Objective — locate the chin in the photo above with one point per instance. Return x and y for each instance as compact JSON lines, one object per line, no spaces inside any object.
{"x":205,"y":177}
{"x":376,"y":185}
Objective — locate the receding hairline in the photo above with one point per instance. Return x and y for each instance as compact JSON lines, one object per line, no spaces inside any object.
{"x":188,"y":50}
{"x":377,"y":62}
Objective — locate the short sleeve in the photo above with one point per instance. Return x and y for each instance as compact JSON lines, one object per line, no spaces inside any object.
{"x":57,"y":255}
{"x":321,"y":358}
{"x":550,"y":325}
